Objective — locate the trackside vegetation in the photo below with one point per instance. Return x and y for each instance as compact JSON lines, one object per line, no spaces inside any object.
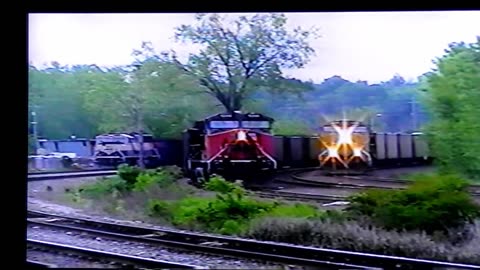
{"x":434,"y":218}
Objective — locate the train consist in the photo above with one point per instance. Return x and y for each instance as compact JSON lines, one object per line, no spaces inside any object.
{"x":240,"y":145}
{"x":112,"y":149}
{"x":229,"y":144}
{"x":234,"y":145}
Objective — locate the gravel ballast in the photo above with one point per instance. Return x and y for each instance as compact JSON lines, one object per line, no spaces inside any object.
{"x":146,"y":250}
{"x":65,"y":261}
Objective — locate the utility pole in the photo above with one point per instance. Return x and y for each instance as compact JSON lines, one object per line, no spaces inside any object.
{"x":141,"y":161}
{"x":34,"y":127}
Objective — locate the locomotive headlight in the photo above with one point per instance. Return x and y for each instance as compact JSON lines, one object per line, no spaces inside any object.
{"x":344,"y":136}
{"x":241,"y":136}
{"x":357,"y":152}
{"x":332,"y":152}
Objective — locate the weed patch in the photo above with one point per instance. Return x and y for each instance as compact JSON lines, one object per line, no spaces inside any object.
{"x":354,"y":236}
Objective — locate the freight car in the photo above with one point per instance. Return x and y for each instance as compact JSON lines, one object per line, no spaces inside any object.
{"x":399,"y":149}
{"x":379,"y":150}
{"x":233,"y":145}
{"x":112,"y":149}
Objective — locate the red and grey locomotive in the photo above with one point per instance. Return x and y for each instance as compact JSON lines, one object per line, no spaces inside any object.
{"x":233,"y":145}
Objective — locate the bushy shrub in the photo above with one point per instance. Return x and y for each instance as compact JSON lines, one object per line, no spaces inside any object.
{"x":186,"y":211}
{"x":159,"y":208}
{"x":129,"y":173}
{"x":219,"y":184}
{"x":230,"y":211}
{"x":103,"y":187}
{"x":145,"y":179}
{"x":435,"y":203}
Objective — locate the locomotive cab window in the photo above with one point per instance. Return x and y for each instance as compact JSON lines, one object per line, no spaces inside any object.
{"x":112,"y":140}
{"x":224,"y":124}
{"x":256,"y":124}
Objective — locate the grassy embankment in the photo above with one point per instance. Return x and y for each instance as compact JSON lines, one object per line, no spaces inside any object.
{"x":434,"y":218}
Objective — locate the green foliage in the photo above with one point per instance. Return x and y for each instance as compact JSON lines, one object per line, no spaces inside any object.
{"x":165,"y":100}
{"x":218,"y":184}
{"x":105,"y":186}
{"x":289,"y":127}
{"x":246,"y":57}
{"x":56,"y":94}
{"x":229,"y":212}
{"x":129,"y":173}
{"x":297,"y":210}
{"x":186,"y":211}
{"x":454,"y":90}
{"x":435,"y":203}
{"x":158,"y":208}
{"x":160,"y":177}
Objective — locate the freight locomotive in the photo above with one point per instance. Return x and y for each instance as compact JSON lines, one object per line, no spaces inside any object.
{"x":233,"y":145}
{"x":344,"y":147}
{"x":112,"y":149}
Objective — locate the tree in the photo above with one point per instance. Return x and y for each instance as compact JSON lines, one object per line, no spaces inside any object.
{"x":148,"y":96}
{"x":454,"y":91}
{"x":288,"y":127}
{"x":56,"y":93}
{"x":233,"y":63}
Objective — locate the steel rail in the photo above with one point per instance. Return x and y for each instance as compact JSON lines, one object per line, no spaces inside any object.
{"x":155,"y":237}
{"x":474,"y":190}
{"x":68,"y":171}
{"x":117,"y":257}
{"x":298,"y":196}
{"x":250,"y":248}
{"x":37,"y":264}
{"x":64,"y":175}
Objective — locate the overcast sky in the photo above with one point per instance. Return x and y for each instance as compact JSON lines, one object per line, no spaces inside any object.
{"x":371,"y":46}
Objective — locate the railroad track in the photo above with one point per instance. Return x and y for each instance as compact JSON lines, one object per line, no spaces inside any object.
{"x":37,"y":264}
{"x":70,"y":171}
{"x":100,"y":256}
{"x":289,"y":175}
{"x":252,"y":249}
{"x":62,"y":175}
{"x":354,"y":182}
{"x":299,"y":196}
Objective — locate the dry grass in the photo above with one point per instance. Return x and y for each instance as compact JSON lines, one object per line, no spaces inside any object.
{"x":354,"y":236}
